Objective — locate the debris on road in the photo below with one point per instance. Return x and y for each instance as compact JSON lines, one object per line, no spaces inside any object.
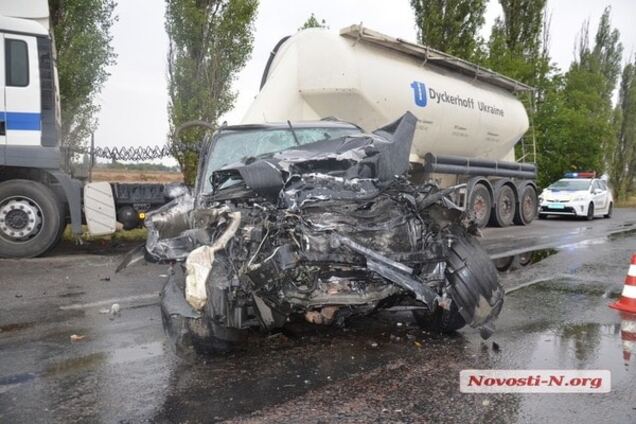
{"x":77,"y":338}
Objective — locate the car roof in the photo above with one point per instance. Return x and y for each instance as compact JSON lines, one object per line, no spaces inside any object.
{"x":325,"y":123}
{"x":589,"y":180}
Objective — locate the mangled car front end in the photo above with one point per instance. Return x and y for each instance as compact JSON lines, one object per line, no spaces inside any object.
{"x":324,"y":229}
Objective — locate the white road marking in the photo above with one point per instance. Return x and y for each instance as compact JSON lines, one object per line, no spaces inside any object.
{"x":128,"y":299}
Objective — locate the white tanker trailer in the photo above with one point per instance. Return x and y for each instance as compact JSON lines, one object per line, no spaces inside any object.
{"x":469,"y":118}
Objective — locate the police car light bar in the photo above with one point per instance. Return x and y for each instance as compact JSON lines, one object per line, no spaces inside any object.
{"x":586,"y":174}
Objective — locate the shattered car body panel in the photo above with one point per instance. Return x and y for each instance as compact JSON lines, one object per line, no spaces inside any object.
{"x":324,"y":229}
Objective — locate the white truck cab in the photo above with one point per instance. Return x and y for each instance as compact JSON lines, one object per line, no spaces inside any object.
{"x":35,"y":194}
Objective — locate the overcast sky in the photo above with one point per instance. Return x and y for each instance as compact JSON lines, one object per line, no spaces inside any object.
{"x":134,"y":99}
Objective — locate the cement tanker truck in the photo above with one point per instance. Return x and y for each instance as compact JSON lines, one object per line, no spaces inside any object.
{"x":469,"y":118}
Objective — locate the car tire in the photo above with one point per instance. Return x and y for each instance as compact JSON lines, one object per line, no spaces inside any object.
{"x":590,"y":212}
{"x":610,"y":211}
{"x":527,"y":207}
{"x":441,"y":321}
{"x":471,"y":275}
{"x":480,"y":204}
{"x":543,"y":216}
{"x":43,"y":201}
{"x":505,"y":207}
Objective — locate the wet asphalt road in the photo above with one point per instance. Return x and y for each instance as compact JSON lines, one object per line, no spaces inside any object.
{"x":379,"y":368}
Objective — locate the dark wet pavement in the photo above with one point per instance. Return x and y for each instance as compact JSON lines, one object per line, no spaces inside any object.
{"x":378,"y":369}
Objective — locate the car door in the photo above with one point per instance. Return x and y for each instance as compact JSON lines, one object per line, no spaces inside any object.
{"x":3,"y":119}
{"x":600,"y":197}
{"x":21,"y":90}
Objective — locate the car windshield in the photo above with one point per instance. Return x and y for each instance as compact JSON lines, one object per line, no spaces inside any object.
{"x":570,"y":185}
{"x":234,"y":146}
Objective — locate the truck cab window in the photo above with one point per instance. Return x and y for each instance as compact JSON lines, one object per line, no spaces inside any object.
{"x":17,"y":63}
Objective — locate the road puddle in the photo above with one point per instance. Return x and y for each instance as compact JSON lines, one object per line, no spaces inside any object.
{"x":75,"y":364}
{"x":511,"y":263}
{"x":136,"y":353}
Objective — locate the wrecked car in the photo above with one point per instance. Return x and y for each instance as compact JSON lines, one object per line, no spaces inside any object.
{"x":316,"y":220}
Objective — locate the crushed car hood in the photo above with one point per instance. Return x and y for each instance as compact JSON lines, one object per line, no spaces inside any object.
{"x":361,"y":164}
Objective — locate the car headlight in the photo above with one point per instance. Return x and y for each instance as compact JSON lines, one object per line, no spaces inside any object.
{"x":540,"y":199}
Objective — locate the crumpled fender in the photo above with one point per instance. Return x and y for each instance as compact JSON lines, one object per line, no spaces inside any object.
{"x":199,"y":264}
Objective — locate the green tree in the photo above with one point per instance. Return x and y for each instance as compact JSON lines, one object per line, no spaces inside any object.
{"x":451,"y":25}
{"x":605,"y":59}
{"x":622,"y":170}
{"x":608,"y":52}
{"x":576,"y":130}
{"x":210,"y":41}
{"x":313,"y":22}
{"x":82,"y":31}
{"x":518,"y":47}
{"x":518,"y":44}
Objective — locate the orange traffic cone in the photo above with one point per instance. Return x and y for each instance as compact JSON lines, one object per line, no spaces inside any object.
{"x":627,"y":302}
{"x":628,"y":334}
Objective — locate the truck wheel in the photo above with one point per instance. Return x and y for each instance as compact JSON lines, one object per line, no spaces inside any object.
{"x":504,"y":264}
{"x":528,"y":204}
{"x":30,"y":219}
{"x":505,"y":207}
{"x":480,"y":204}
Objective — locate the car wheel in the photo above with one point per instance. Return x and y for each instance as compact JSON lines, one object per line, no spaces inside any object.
{"x":441,"y":321}
{"x":590,"y":212}
{"x":610,"y":211}
{"x":543,"y":216}
{"x":472,"y":276}
{"x":480,"y":203}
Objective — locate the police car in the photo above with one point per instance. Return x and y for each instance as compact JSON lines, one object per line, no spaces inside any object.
{"x":578,"y":194}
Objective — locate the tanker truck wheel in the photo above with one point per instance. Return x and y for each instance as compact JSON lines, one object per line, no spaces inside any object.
{"x":30,"y":219}
{"x":480,"y":203}
{"x":505,"y":206}
{"x":528,"y":206}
